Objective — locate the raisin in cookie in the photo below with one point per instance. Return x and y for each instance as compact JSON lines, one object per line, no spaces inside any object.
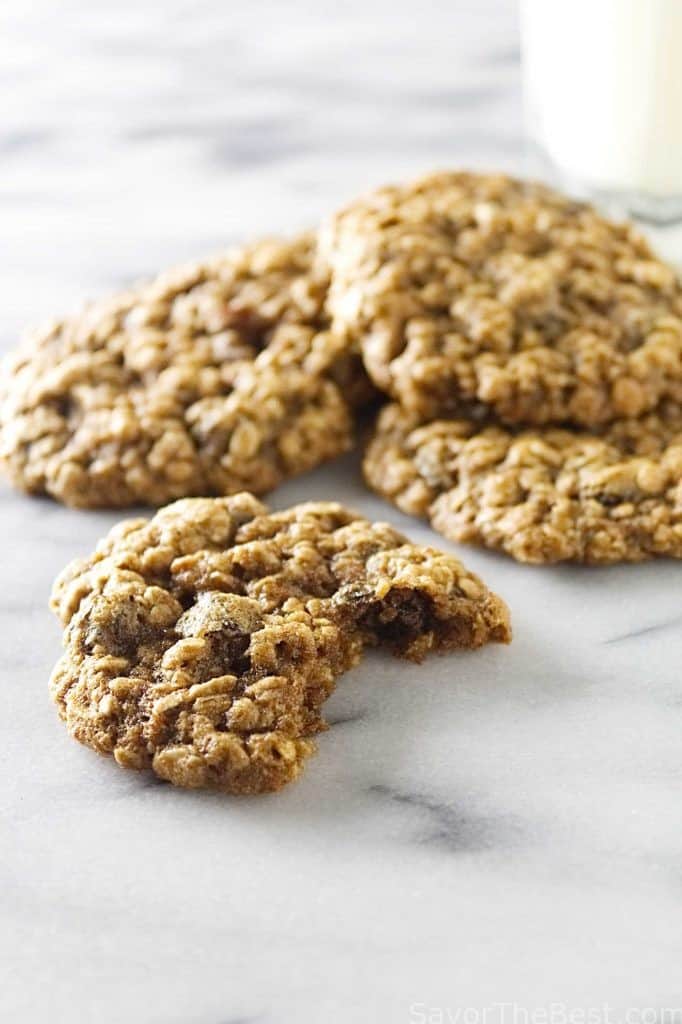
{"x":477,"y":292}
{"x":202,"y":643}
{"x":542,"y":496}
{"x":212,"y":378}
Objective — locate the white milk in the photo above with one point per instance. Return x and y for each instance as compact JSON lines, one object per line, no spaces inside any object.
{"x":603,"y":84}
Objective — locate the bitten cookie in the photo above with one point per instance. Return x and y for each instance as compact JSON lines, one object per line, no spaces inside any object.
{"x":212,"y":378}
{"x":542,"y":496}
{"x":478,"y":293}
{"x":202,"y":643}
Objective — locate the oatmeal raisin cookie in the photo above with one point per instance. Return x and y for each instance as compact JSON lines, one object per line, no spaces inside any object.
{"x":202,"y":643}
{"x":472,"y":293}
{"x":540,"y":495}
{"x":213,"y":377}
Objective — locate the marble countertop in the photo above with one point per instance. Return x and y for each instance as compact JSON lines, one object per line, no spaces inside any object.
{"x":497,"y":828}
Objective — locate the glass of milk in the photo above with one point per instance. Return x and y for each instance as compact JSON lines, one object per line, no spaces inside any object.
{"x":603,"y":88}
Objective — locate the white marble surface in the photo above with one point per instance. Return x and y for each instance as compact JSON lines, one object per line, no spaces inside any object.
{"x":503,"y":827}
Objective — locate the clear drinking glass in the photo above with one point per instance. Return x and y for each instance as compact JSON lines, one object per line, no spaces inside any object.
{"x":603,"y":91}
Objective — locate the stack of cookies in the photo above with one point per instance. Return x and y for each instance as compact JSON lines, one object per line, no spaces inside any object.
{"x":525,"y":357}
{"x":529,"y":350}
{"x":533,"y":352}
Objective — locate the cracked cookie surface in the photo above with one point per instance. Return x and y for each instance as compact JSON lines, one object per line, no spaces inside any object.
{"x":214,"y":377}
{"x":203,"y":643}
{"x":541,"y":496}
{"x":472,"y":292}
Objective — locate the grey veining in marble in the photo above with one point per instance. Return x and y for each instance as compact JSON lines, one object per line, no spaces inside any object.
{"x":498,"y":827}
